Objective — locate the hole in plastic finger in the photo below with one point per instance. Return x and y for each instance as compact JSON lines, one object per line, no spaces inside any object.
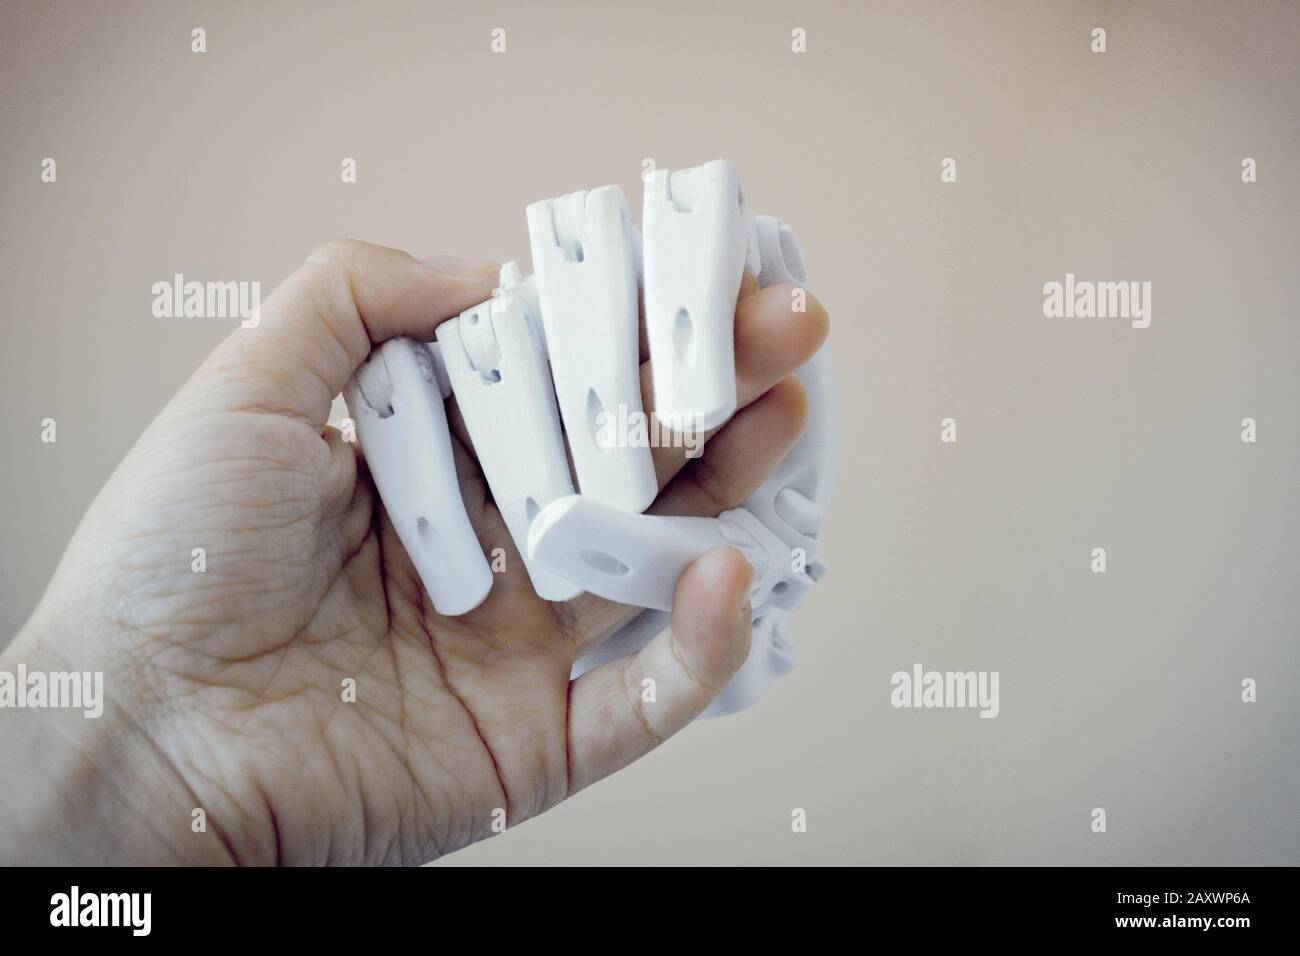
{"x":683,"y":336}
{"x":603,"y":562}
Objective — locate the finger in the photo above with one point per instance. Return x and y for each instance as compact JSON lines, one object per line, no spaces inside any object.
{"x":731,"y":469}
{"x":740,"y":457}
{"x":622,"y":710}
{"x":318,"y":326}
{"x":772,"y":340}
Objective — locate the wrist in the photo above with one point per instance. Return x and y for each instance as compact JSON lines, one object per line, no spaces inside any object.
{"x":84,"y":782}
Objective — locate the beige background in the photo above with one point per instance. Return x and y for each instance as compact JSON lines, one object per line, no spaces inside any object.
{"x":1118,"y":690}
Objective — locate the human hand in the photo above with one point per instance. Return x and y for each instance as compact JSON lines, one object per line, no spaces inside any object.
{"x":225,"y":688}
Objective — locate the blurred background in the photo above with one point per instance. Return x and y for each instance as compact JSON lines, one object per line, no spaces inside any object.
{"x":1119,"y":690}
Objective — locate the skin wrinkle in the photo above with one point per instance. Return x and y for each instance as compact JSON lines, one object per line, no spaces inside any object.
{"x":632,"y":688}
{"x":154,"y":825}
{"x":392,"y":729}
{"x":136,"y":660}
{"x":403,"y":717}
{"x":286,"y":412}
{"x":344,"y":276}
{"x":481,"y":667}
{"x":275,"y":825}
{"x":566,"y":621}
{"x":421,"y":619}
{"x":240,"y":731}
{"x":361,"y":801}
{"x":675,"y":647}
{"x":568,"y":743}
{"x":322,"y":742}
{"x":282,"y":654}
{"x":214,"y":819}
{"x":421,"y":795}
{"x":322,"y":730}
{"x":323,"y":746}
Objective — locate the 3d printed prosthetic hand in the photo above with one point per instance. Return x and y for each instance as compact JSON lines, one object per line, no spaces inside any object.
{"x":546,"y":377}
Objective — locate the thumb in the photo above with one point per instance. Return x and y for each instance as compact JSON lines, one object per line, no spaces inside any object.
{"x":322,"y":321}
{"x":622,"y":710}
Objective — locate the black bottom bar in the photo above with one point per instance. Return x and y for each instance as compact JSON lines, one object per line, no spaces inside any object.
{"x":444,"y":904}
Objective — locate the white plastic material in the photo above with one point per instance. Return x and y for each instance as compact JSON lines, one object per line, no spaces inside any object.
{"x":790,"y":503}
{"x":637,"y":559}
{"x":699,"y":237}
{"x":496,"y":362}
{"x":585,"y":257}
{"x":397,"y":403}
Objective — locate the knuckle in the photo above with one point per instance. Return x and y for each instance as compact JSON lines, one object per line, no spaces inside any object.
{"x":327,"y":273}
{"x":337,"y":255}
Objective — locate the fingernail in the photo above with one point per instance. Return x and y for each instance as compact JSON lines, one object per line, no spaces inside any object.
{"x":456,"y":266}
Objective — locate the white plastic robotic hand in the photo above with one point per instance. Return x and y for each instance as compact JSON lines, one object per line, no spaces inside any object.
{"x":788,"y":507}
{"x":570,"y":332}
